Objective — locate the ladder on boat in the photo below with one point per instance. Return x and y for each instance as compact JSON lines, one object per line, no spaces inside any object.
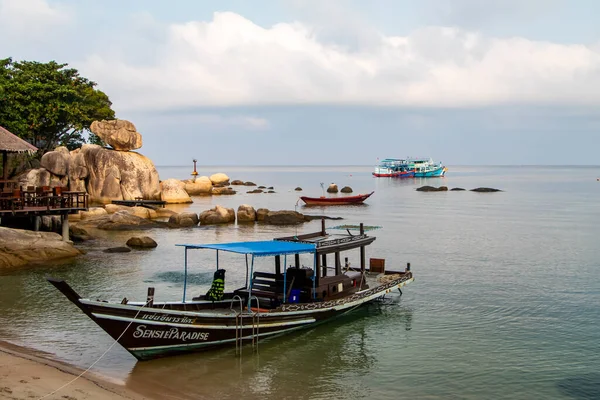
{"x":239,"y":323}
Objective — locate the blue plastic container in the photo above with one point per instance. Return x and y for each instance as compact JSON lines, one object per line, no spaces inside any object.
{"x":294,"y":296}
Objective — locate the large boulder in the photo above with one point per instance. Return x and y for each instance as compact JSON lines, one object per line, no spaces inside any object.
{"x":119,"y":134}
{"x":346,"y":189}
{"x":57,"y":161}
{"x":41,"y":177}
{"x":261,"y":214}
{"x":173,"y":192}
{"x":333,"y":188}
{"x":284,"y":217}
{"x":202,"y":186}
{"x":19,"y":247}
{"x":78,"y":171}
{"x":184,"y":219}
{"x":246,"y":213}
{"x":141,"y":212}
{"x":92,"y":212}
{"x":219,"y":179}
{"x":121,"y":221}
{"x":119,"y":175}
{"x":217,"y":215}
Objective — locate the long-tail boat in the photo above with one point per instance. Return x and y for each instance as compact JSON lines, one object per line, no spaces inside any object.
{"x":342,"y":200}
{"x":283,"y":300}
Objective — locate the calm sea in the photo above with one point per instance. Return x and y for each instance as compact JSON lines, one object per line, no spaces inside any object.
{"x":505,"y":305}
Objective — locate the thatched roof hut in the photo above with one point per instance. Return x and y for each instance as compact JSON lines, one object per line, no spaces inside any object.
{"x":10,"y":143}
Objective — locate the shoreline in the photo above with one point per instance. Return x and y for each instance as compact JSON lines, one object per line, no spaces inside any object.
{"x":27,"y":373}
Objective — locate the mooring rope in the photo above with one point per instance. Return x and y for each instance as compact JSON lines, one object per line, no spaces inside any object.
{"x":99,"y":358}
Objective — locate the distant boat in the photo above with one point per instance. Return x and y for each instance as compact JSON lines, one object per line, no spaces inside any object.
{"x":409,"y":167}
{"x":329,"y":201}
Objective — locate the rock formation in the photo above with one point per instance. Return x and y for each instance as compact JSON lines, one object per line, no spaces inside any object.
{"x":142,"y":242}
{"x":346,"y":189}
{"x":202,"y":186}
{"x":284,"y":217}
{"x":184,"y":219}
{"x":173,"y":192}
{"x":19,"y":247}
{"x":217,"y":215}
{"x":121,"y":135}
{"x":219,"y":179}
{"x":332,"y":188}
{"x":432,"y":189}
{"x":485,"y":190}
{"x":246,"y":213}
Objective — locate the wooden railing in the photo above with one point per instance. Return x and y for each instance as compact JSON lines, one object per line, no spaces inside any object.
{"x":31,"y":200}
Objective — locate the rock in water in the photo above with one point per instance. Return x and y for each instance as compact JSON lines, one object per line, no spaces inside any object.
{"x":485,"y":190}
{"x":120,"y":134}
{"x":284,"y":217}
{"x":19,"y":247}
{"x":246,"y":213}
{"x":202,"y":186}
{"x":217,"y":215}
{"x":173,"y":192}
{"x":332,"y":188}
{"x":219,"y":179}
{"x":184,"y":219}
{"x":346,"y":189}
{"x":143,"y":242}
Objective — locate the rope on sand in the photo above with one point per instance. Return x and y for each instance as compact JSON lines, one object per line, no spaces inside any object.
{"x":99,"y":358}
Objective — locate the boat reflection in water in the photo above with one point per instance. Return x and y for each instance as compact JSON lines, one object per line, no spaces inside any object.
{"x":328,"y":361}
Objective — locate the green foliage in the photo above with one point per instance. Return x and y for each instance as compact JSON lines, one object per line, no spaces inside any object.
{"x":49,"y":105}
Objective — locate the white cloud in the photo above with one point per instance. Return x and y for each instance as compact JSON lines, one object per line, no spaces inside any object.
{"x":232,"y":61}
{"x":30,"y":19}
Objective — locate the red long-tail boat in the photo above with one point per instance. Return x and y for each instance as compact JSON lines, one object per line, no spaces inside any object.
{"x":342,"y":200}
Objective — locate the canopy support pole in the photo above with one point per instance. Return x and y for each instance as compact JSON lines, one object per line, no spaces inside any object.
{"x":250,"y":286}
{"x":184,"y":274}
{"x":316,"y":258}
{"x":247,"y":270}
{"x":217,"y":260}
{"x":284,"y":276}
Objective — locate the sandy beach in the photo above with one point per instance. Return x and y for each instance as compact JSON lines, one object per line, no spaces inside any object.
{"x":27,"y":374}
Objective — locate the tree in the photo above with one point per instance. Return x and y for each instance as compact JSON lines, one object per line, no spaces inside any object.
{"x":49,"y":105}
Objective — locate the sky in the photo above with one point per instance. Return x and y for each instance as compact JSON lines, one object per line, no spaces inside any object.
{"x":343,"y":82}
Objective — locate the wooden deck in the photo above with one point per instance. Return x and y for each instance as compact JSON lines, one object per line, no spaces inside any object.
{"x":27,"y":203}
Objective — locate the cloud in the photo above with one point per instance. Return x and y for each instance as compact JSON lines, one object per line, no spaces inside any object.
{"x":230,"y":61}
{"x":31,"y":19}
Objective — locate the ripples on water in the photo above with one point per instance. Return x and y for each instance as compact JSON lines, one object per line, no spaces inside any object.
{"x":505,"y":303}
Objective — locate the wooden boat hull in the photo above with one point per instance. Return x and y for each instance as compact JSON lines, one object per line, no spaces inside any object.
{"x":396,"y":174}
{"x":150,"y":332}
{"x":328,"y":201}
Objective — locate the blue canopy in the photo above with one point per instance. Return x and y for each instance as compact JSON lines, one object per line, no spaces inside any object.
{"x":258,"y":249}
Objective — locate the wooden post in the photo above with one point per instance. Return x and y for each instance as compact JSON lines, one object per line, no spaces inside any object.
{"x":297,"y":260}
{"x":318,"y":272}
{"x":150,"y":298}
{"x":338,"y":264}
{"x":324,"y":256}
{"x":5,"y":165}
{"x":64,"y":219}
{"x":323,"y":226}
{"x":362,"y":251}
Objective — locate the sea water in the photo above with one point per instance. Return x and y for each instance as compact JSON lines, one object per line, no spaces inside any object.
{"x":505,"y":302}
